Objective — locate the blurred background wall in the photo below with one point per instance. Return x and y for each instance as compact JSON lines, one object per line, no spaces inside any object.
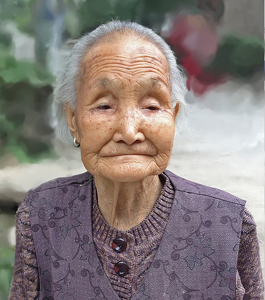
{"x":219,"y":46}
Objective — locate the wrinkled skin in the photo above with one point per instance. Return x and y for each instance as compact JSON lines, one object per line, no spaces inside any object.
{"x":124,"y":123}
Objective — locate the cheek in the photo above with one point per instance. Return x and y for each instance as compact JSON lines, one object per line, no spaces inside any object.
{"x":161,"y":133}
{"x":94,"y":133}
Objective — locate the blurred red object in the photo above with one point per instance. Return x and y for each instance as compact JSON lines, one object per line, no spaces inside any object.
{"x":195,"y":44}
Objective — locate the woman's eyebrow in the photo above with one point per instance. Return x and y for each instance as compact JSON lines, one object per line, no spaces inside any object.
{"x":105,"y":83}
{"x":152,"y":82}
{"x":145,"y":82}
{"x":156,"y":81}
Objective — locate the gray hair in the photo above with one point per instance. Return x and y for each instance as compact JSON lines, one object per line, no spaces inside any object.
{"x":66,"y":84}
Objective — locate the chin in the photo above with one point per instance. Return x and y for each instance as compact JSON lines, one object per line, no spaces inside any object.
{"x":129,"y":172}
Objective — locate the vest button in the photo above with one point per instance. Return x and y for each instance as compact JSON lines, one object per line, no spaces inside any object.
{"x":119,"y":245}
{"x":121,"y":268}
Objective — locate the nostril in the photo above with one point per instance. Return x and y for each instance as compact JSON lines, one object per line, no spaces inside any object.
{"x":129,"y":143}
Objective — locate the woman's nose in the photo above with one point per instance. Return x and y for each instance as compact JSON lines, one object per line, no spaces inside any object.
{"x":128,"y":128}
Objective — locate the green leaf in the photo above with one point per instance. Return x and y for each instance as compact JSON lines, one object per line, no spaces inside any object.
{"x":94,"y":13}
{"x":126,"y":10}
{"x":5,"y":40}
{"x":162,"y":7}
{"x":239,"y":57}
{"x":13,"y":71}
{"x":71,"y":22}
{"x":7,"y":257}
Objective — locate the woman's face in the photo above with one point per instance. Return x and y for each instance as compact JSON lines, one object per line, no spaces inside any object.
{"x":124,"y":121}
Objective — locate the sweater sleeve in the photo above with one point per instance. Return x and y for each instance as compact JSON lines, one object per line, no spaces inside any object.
{"x":25,"y":280}
{"x":248,"y":264}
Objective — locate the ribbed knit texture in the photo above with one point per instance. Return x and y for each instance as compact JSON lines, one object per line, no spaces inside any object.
{"x":142,"y":242}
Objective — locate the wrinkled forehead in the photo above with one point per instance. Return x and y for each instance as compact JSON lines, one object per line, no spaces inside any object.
{"x":127,"y":39}
{"x":123,"y":50}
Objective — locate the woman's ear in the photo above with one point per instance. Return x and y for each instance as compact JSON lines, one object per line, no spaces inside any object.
{"x":71,"y":120}
{"x":176,"y":110}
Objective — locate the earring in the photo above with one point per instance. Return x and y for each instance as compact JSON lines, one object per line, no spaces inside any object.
{"x":76,"y":144}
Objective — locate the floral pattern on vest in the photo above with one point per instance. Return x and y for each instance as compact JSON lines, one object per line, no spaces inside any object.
{"x":196,"y":259}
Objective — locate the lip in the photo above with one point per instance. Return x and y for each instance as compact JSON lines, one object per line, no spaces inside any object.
{"x":114,"y":151}
{"x":128,"y":154}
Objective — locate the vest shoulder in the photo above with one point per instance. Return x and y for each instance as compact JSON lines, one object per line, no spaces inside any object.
{"x":64,"y":181}
{"x":186,"y":186}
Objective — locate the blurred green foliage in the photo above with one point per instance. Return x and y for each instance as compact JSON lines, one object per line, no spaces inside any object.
{"x":19,"y":12}
{"x":239,"y":57}
{"x":25,"y":88}
{"x":6,"y":270}
{"x":24,"y":92}
{"x":150,"y":13}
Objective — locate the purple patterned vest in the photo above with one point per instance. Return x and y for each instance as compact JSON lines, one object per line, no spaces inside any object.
{"x":197,"y":257}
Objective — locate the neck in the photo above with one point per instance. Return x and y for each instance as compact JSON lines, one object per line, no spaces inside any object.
{"x":126,"y":204}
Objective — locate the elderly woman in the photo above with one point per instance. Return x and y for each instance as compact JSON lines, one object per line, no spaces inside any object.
{"x":127,"y":228}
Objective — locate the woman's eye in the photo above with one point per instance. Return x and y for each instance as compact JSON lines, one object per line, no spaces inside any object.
{"x":152,"y":108}
{"x":104,"y":107}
